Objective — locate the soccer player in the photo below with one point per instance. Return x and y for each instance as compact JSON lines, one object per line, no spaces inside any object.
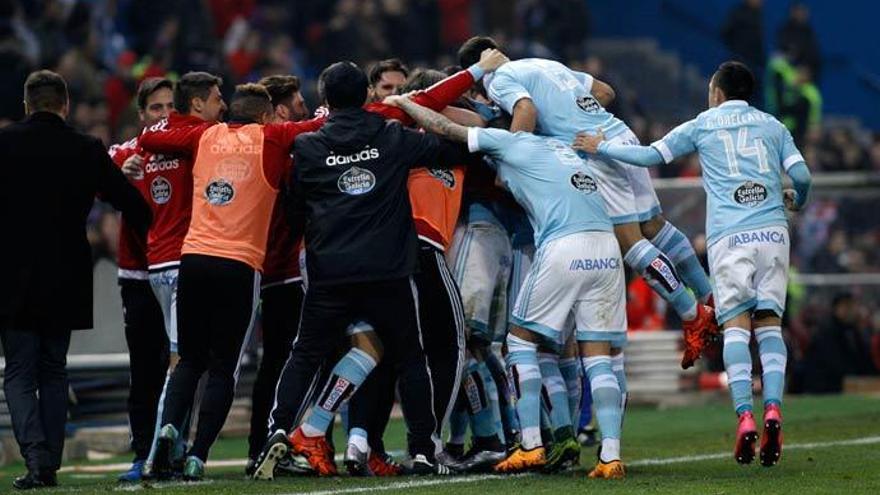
{"x":237,"y":169}
{"x":167,"y":178}
{"x":386,"y":78}
{"x":577,"y":273}
{"x":144,"y":324}
{"x":281,"y":291}
{"x":743,"y":152}
{"x":435,"y":197}
{"x":549,"y":98}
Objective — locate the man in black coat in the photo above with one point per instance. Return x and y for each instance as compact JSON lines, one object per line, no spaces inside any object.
{"x":49,"y":177}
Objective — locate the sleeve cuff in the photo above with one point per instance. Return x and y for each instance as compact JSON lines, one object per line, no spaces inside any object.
{"x":473,"y":141}
{"x":791,"y":160}
{"x":664,"y":150}
{"x":476,"y":71}
{"x":603,"y":147}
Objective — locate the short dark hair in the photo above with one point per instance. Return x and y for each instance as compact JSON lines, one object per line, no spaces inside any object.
{"x":470,"y":51}
{"x":383,"y":66}
{"x":280,"y":87}
{"x":149,"y":86}
{"x":735,"y":80}
{"x":422,"y":79}
{"x":45,"y":91}
{"x":344,"y":85}
{"x":249,"y":102}
{"x":193,"y":85}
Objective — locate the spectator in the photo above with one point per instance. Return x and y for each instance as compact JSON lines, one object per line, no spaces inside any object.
{"x":797,"y":38}
{"x":840,"y":348}
{"x":743,"y":34}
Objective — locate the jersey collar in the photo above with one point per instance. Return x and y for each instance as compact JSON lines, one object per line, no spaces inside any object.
{"x":734,"y":103}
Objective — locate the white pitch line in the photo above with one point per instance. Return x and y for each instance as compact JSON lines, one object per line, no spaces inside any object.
{"x":403,"y":485}
{"x":707,"y":457}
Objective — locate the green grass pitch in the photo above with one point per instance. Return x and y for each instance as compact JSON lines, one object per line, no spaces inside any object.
{"x":832,"y":446}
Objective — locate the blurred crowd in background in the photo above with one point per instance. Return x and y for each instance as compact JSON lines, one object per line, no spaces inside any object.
{"x":104,"y":48}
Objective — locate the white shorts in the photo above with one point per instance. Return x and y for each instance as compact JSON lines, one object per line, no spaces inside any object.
{"x":164,"y":284}
{"x":579,"y":278}
{"x":627,"y":190}
{"x":480,"y":258}
{"x":750,"y":271}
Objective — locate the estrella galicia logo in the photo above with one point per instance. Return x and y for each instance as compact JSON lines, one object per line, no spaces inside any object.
{"x":219,"y":192}
{"x":583,"y":182}
{"x":160,"y":190}
{"x":588,"y":104}
{"x":356,"y":181}
{"x":750,"y":194}
{"x":444,"y":176}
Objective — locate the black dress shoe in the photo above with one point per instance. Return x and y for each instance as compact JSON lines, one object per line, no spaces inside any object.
{"x":30,"y":481}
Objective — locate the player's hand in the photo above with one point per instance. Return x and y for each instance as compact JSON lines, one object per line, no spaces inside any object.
{"x":588,"y":143}
{"x":133,"y":167}
{"x":789,"y":199}
{"x":492,"y":59}
{"x":394,"y":100}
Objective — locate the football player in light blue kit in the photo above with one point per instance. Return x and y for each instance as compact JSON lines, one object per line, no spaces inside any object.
{"x":743,"y":153}
{"x":548,"y":98}
{"x":577,"y":275}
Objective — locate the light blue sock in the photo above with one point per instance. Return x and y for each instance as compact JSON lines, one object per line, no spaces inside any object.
{"x":660,"y":274}
{"x":525,"y":375}
{"x":557,"y":394}
{"x":774,"y":355}
{"x":606,"y":397}
{"x":618,"y":369}
{"x":738,"y":363}
{"x":348,"y":374}
{"x":482,"y":420}
{"x":458,"y":423}
{"x":492,"y":396}
{"x":678,"y":248}
{"x":571,"y":373}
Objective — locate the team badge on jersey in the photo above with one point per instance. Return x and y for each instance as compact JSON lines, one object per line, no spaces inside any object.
{"x":160,"y":190}
{"x":356,"y":181}
{"x":750,"y":194}
{"x":444,"y":176}
{"x":583,"y":183}
{"x":588,"y":104}
{"x":219,"y":192}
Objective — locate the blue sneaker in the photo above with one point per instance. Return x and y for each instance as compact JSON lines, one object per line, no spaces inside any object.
{"x":135,"y":473}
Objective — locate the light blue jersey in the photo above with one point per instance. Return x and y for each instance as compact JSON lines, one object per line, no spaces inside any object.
{"x":555,"y":187}
{"x":743,"y":152}
{"x":562,"y":96}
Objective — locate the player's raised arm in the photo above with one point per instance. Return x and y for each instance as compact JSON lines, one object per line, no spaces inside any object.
{"x":429,"y":120}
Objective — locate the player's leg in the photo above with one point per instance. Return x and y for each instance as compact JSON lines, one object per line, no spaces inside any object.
{"x":732,"y":269}
{"x":565,"y":451}
{"x":678,"y":248}
{"x":148,"y":354}
{"x":325,"y":315}
{"x":771,"y":281}
{"x":539,"y":317}
{"x":280,"y":307}
{"x":601,"y":337}
{"x":236,"y":296}
{"x":570,"y":368}
{"x":630,"y":199}
{"x":487,"y":448}
{"x":195,"y":300}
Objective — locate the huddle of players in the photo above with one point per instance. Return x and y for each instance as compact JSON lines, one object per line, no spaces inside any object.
{"x":553,"y":251}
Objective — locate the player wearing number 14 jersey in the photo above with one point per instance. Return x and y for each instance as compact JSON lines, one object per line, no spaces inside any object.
{"x":743,"y":152}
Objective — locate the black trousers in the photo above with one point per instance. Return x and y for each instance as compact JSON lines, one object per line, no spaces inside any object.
{"x":216,"y":302}
{"x":35,"y":384}
{"x":442,"y":317}
{"x":148,"y":358}
{"x":390,"y":306}
{"x":280,"y":309}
